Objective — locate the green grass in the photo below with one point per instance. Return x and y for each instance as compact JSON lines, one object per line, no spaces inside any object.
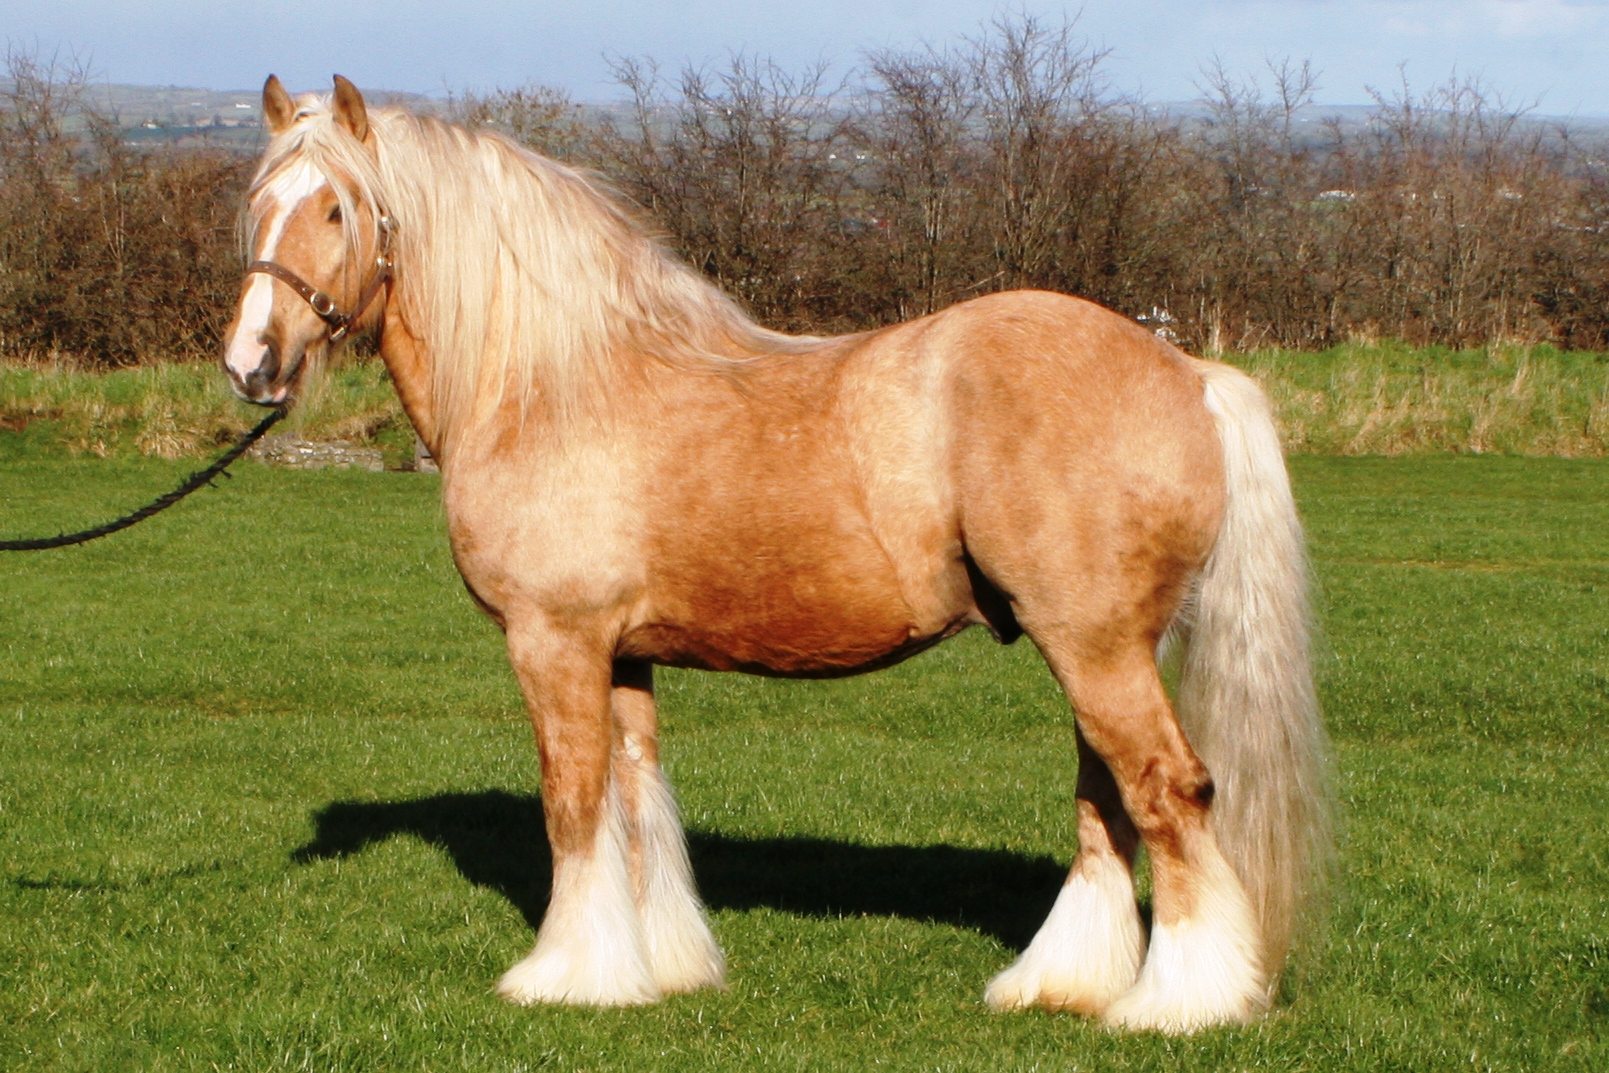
{"x":267,"y":802}
{"x":1391,"y":399}
{"x":178,"y":411}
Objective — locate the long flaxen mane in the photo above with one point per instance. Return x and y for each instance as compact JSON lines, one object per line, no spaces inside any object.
{"x":519,"y":274}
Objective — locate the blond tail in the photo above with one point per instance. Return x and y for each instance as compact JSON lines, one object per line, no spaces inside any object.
{"x":1246,"y":698}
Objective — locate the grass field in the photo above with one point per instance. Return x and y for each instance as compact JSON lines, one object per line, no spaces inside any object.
{"x":267,"y":802}
{"x":1380,"y":399}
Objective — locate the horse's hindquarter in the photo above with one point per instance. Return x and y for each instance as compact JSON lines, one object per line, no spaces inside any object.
{"x":1089,"y":478}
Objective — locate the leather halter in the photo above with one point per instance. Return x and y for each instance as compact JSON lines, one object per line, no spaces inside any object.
{"x":325,"y":306}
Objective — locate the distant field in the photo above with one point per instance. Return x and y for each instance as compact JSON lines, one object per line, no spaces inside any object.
{"x":1356,"y":400}
{"x":181,"y":411}
{"x":267,"y":802}
{"x":1390,"y":399}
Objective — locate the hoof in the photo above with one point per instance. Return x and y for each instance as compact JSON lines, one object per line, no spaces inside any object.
{"x":1196,"y":976}
{"x":548,"y":977}
{"x":1086,"y":954}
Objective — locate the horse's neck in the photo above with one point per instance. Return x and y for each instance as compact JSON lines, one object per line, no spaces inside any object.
{"x":408,"y":362}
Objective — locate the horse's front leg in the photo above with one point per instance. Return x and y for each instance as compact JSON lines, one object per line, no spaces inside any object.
{"x":591,"y":948}
{"x":682,"y":954}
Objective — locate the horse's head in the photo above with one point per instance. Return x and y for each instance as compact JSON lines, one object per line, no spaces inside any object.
{"x":319,"y":247}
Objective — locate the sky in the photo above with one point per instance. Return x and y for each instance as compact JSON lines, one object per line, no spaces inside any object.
{"x":1546,"y":55}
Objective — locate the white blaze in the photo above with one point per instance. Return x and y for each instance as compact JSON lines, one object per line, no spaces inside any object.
{"x":244,"y":352}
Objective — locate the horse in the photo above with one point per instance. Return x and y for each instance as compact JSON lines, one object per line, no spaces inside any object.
{"x":635,"y":474}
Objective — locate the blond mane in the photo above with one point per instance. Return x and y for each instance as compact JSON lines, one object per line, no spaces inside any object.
{"x":521,"y":276}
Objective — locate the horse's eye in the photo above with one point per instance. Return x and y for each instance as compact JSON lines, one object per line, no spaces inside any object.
{"x":335,"y":215}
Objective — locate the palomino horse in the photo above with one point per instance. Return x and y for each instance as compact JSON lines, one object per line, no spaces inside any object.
{"x":635,"y":473}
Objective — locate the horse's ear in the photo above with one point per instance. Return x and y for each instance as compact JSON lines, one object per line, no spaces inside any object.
{"x":278,"y":108}
{"x":350,"y":111}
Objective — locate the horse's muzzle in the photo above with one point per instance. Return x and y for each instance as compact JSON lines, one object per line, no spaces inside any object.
{"x":263,"y":384}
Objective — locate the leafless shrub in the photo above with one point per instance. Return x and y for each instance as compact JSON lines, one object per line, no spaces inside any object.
{"x":1454,"y":190}
{"x":108,"y":254}
{"x":540,"y":117}
{"x":1272,"y":256}
{"x":914,"y":129}
{"x":1038,"y":93}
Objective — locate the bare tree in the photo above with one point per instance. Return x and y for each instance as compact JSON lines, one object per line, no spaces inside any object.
{"x":1034,"y":84}
{"x":1453,"y":182}
{"x":1268,"y":270}
{"x":915,"y":127}
{"x":1448,"y":216}
{"x":541,"y":117}
{"x":738,"y":165}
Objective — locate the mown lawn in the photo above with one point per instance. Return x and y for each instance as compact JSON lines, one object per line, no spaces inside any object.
{"x":267,"y":802}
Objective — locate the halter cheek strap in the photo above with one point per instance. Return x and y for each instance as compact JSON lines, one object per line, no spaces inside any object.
{"x":322,"y":304}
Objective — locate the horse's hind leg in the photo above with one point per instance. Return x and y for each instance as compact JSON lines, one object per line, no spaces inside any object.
{"x":682,"y":954}
{"x":590,"y":948}
{"x":1204,"y":965}
{"x":1088,"y":951}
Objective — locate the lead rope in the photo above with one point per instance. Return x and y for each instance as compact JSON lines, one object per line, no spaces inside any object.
{"x":156,"y":506}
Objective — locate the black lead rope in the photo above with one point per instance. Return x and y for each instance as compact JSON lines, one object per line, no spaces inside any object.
{"x":191,"y":483}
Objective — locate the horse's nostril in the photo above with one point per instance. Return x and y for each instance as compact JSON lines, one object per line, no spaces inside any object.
{"x":259,"y":379}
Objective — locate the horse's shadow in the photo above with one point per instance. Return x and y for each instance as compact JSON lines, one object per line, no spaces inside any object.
{"x":495,"y":840}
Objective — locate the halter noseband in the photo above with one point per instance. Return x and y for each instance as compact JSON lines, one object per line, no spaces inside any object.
{"x":323,"y":305}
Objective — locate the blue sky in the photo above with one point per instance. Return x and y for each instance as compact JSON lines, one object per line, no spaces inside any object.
{"x":1553,"y":53}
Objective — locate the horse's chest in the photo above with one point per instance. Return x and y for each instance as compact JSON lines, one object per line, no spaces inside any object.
{"x":554,"y":552}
